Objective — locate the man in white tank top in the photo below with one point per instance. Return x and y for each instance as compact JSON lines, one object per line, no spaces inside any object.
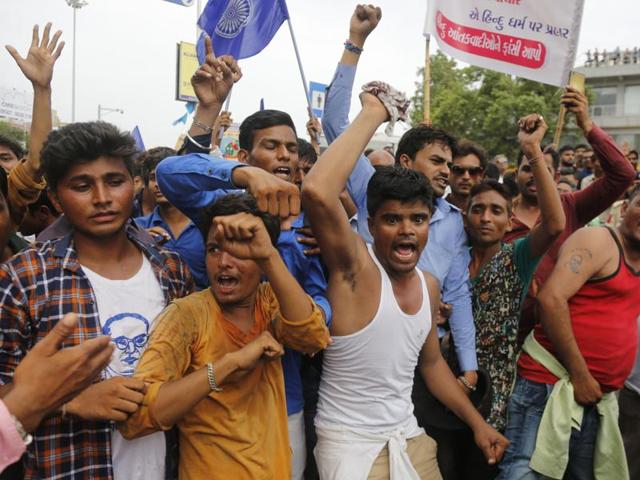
{"x":383,"y":309}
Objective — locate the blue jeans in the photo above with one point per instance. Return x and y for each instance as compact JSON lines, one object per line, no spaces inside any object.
{"x":524,"y":414}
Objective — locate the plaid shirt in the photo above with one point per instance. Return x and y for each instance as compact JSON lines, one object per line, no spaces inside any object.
{"x":37,"y":288}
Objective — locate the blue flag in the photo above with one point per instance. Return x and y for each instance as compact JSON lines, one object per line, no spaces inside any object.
{"x":137,"y":137}
{"x":241,"y":28}
{"x":189,"y":107}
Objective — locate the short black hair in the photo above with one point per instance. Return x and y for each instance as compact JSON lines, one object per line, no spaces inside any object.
{"x":419,"y":137}
{"x":566,"y":148}
{"x":43,"y":201}
{"x":584,"y":146}
{"x":12,"y":145}
{"x":467,"y":147}
{"x":491,"y":185}
{"x":84,"y":142}
{"x":260,"y":120}
{"x":397,"y":183}
{"x":4,"y":183}
{"x":306,"y":152}
{"x":150,"y":159}
{"x":237,"y":203}
{"x":368,"y":151}
{"x":633,"y":151}
{"x":492,"y":171}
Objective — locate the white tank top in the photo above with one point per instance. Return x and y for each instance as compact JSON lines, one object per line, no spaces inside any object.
{"x":367,"y":376}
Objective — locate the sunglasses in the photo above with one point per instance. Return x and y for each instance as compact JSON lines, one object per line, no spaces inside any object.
{"x":458,"y":170}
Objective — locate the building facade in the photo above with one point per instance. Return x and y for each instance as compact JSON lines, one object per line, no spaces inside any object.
{"x":614,"y":79}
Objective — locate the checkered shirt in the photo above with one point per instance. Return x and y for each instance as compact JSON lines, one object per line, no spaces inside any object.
{"x":38,"y":287}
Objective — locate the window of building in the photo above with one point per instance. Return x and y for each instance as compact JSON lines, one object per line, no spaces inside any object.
{"x":605,"y":101}
{"x":632,"y":100}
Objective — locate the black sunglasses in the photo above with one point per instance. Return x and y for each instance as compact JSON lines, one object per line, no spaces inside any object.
{"x":458,"y":170}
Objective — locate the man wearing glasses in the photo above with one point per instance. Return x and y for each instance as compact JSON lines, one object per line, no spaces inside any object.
{"x":466,"y":171}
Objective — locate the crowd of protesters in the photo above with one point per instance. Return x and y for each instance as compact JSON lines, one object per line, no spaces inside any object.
{"x":423,"y":313}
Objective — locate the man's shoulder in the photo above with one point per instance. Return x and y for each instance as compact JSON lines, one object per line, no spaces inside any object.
{"x":448,"y":226}
{"x":32,"y":265}
{"x":170,"y":258}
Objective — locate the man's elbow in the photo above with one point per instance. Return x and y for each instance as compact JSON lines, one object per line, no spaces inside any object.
{"x":548,"y":301}
{"x":313,"y":195}
{"x":556,"y":226}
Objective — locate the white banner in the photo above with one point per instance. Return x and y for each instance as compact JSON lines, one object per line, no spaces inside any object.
{"x":534,"y":39}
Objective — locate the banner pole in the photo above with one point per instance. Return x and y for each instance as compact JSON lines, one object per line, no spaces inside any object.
{"x":304,"y":80}
{"x":426,"y":106}
{"x":559,"y":127}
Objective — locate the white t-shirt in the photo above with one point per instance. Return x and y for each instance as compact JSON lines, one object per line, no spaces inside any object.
{"x":127,"y":309}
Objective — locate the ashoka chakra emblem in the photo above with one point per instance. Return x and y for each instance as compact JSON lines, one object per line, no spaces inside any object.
{"x":235,"y":18}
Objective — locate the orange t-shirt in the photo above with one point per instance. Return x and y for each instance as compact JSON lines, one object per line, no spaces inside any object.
{"x":241,"y":432}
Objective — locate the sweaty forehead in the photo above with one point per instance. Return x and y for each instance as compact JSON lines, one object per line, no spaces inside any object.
{"x":435,"y":149}
{"x":279,"y":133}
{"x":397,"y":207}
{"x":489,"y":198}
{"x":6,"y":152}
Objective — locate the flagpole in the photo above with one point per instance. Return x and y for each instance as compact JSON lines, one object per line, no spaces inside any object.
{"x":304,"y":80}
{"x":226,"y":109}
{"x":426,"y":106}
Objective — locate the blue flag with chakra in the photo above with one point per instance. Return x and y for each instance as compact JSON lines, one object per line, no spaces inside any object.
{"x":241,"y":28}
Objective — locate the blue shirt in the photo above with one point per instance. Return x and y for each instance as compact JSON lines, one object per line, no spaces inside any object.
{"x":189,"y":245}
{"x":446,"y":255}
{"x":193,"y":181}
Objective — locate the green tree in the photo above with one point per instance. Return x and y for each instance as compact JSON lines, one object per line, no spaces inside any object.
{"x":483,"y":105}
{"x":9,"y":130}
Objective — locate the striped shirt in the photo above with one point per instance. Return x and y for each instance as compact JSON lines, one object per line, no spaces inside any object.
{"x":37,"y":288}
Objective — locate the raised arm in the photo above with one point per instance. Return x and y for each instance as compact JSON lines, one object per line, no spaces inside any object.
{"x":322,"y":187}
{"x":25,"y":184}
{"x":532,"y":130}
{"x":212,"y":83}
{"x":618,"y":171}
{"x":586,"y":254}
{"x":335,"y":118}
{"x":299,"y":323}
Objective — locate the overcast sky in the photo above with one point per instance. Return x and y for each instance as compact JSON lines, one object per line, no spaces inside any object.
{"x":126,"y":54}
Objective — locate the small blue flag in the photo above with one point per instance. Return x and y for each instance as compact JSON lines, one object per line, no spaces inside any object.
{"x":241,"y":28}
{"x":137,"y":137}
{"x":189,"y":107}
{"x":261,"y":104}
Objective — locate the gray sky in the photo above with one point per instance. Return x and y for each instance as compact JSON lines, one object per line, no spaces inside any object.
{"x":126,"y":54}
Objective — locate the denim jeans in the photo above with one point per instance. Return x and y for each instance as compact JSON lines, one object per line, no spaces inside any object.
{"x":524,"y":414}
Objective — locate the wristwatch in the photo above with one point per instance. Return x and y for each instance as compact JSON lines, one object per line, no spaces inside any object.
{"x":26,"y":436}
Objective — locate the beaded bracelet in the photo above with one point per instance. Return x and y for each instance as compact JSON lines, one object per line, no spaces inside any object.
{"x":352,"y":47}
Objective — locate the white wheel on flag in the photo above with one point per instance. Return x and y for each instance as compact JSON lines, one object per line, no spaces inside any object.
{"x":235,"y":17}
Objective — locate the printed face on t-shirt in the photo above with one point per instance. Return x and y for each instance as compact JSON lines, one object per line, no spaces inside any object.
{"x":130,"y":333}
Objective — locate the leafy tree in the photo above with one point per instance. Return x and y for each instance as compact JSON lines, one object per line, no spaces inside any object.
{"x":483,"y":105}
{"x":11,"y":131}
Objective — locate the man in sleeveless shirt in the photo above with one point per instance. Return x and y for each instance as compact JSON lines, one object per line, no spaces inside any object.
{"x":383,"y":309}
{"x":586,"y":346}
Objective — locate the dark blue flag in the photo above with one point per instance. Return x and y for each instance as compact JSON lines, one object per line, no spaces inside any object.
{"x":135,"y":133}
{"x":241,"y":28}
